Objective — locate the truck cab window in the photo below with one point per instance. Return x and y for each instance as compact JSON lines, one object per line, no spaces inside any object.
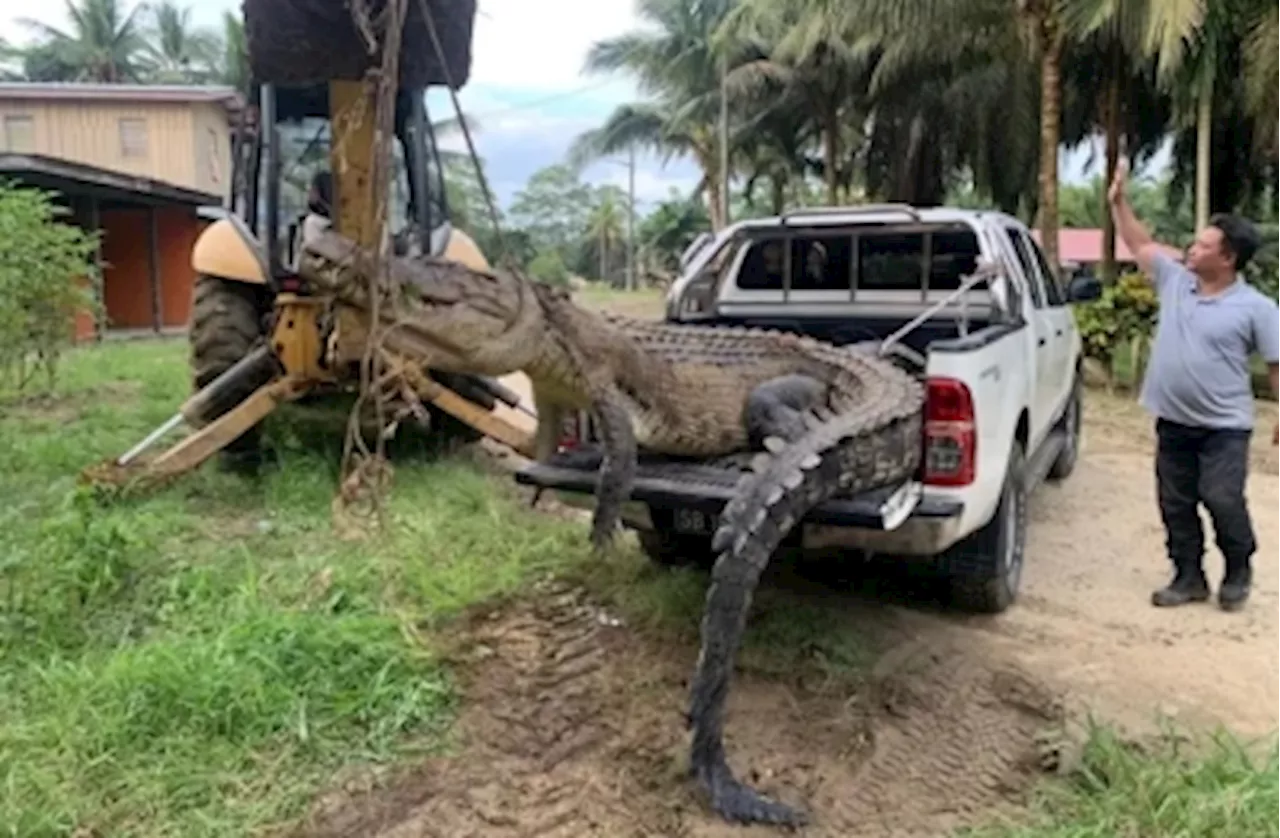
{"x":891,"y":262}
{"x":821,"y":263}
{"x":953,"y":256}
{"x":764,"y":267}
{"x":1026,"y":262}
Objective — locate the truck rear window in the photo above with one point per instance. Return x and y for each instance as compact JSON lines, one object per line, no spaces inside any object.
{"x":887,"y":260}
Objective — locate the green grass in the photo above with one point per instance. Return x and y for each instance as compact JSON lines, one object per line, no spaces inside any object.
{"x":1210,"y":787}
{"x":203,"y":659}
{"x":200,"y":660}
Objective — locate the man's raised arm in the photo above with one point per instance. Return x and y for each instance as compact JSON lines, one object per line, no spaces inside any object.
{"x":1131,"y":230}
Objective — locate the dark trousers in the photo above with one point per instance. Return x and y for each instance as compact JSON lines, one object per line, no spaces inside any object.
{"x":1204,"y":466}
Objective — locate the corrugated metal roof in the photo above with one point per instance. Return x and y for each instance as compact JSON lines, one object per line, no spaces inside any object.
{"x":83,"y":91}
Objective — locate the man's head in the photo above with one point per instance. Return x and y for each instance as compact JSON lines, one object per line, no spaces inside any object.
{"x":1223,"y":247}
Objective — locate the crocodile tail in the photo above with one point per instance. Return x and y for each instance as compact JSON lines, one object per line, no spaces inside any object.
{"x":865,"y":447}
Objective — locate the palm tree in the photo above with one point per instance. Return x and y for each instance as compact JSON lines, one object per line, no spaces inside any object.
{"x":802,"y":56}
{"x":103,"y":43}
{"x":1262,"y":73}
{"x":679,"y":70}
{"x":604,"y":225}
{"x":1130,"y":34}
{"x":233,"y":68}
{"x":176,"y":52}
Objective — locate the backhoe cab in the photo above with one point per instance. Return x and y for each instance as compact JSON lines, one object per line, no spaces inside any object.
{"x":257,"y":335}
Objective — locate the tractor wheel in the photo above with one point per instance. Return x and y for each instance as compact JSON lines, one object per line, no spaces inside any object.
{"x":226,"y":323}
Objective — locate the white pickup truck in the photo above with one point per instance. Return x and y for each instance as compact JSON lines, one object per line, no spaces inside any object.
{"x":965,"y":299}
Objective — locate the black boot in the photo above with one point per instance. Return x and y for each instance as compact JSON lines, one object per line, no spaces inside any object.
{"x":1235,"y":588}
{"x":1188,"y":585}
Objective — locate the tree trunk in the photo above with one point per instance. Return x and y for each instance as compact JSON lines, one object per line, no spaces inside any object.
{"x":1050,"y":136}
{"x":779,"y":194}
{"x":831,"y":155}
{"x":1204,"y":144}
{"x":604,"y":257}
{"x":1114,"y":127}
{"x":712,"y":194}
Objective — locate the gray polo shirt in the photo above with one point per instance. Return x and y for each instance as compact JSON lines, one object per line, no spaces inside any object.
{"x":1199,"y":370}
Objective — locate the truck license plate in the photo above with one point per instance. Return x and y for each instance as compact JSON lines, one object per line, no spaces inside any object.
{"x":693,"y":522}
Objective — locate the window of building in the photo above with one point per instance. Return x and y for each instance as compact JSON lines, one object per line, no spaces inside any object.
{"x":19,"y":134}
{"x":133,"y":137}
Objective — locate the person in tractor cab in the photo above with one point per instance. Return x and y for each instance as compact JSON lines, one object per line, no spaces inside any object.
{"x":319,"y":205}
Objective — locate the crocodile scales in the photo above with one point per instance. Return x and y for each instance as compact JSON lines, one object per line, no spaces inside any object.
{"x":826,"y":421}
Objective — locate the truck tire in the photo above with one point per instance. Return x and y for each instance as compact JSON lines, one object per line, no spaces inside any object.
{"x":1069,"y":426}
{"x":984,"y":570}
{"x":226,"y":323}
{"x":666,"y":547}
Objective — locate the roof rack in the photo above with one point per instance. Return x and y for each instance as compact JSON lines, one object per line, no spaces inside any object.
{"x":865,"y":209}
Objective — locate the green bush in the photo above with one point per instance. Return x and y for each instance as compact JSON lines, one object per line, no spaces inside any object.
{"x":44,"y":265}
{"x":550,"y":268}
{"x":1126,"y":312}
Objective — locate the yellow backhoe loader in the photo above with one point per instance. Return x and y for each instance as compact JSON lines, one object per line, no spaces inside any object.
{"x":258,"y":336}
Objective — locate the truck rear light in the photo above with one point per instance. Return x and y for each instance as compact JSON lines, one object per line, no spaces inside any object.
{"x":950,"y":434}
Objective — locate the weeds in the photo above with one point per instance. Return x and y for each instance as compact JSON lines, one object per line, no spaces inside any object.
{"x":201,"y":660}
{"x":1171,"y":788}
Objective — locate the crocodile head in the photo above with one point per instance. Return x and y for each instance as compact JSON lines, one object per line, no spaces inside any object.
{"x":465,"y":320}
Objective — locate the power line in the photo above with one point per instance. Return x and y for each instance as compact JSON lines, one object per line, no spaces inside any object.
{"x":555,"y":97}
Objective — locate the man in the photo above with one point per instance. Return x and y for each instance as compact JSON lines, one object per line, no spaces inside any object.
{"x":319,"y":205}
{"x":1198,"y":388}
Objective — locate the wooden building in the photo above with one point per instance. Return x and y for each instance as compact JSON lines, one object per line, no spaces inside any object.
{"x":136,"y":162}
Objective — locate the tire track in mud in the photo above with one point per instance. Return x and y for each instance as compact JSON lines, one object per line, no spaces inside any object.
{"x":573,"y":726}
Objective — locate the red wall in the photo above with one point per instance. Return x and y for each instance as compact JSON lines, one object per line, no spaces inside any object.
{"x":127,"y":270}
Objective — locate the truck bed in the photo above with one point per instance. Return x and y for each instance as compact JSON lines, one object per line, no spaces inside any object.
{"x":667,"y":483}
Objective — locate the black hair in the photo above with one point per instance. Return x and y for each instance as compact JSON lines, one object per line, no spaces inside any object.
{"x":322,"y":183}
{"x":1239,"y":237}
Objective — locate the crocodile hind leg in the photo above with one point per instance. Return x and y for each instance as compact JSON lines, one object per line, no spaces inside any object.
{"x":617,"y":470}
{"x":777,"y":408}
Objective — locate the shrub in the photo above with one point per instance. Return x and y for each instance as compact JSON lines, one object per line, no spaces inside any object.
{"x":44,"y":267}
{"x":1125,"y":314}
{"x":550,"y":268}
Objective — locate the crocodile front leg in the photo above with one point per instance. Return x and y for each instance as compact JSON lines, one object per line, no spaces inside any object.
{"x":777,"y":408}
{"x":617,"y":471}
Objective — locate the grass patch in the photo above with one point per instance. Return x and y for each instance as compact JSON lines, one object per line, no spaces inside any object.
{"x":199,"y":661}
{"x":1219,"y":788}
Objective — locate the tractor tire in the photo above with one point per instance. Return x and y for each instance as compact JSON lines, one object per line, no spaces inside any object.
{"x":226,"y":323}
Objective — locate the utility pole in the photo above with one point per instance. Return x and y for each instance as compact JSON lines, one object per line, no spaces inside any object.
{"x":631,"y":219}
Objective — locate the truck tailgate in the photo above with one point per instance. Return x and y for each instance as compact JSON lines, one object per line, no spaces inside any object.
{"x":707,"y":488}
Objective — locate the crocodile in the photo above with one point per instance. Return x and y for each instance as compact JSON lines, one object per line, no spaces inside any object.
{"x":816,"y":420}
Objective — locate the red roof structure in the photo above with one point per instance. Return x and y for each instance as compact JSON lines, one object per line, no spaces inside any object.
{"x":1083,"y":246}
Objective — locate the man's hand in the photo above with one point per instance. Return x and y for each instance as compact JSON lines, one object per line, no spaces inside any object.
{"x":1115,"y":192}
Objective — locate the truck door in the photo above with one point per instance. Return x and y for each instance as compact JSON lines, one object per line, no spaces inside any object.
{"x":1047,"y":376}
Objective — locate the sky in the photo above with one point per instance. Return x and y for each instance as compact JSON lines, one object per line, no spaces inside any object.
{"x":527,"y":90}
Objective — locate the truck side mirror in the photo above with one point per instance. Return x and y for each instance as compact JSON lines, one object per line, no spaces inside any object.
{"x":1083,"y":289}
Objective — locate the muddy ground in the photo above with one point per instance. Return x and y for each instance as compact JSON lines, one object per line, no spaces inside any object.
{"x":572,"y":722}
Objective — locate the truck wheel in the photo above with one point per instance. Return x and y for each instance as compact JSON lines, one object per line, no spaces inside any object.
{"x":226,"y":323}
{"x":1069,"y":426}
{"x":985,"y":569}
